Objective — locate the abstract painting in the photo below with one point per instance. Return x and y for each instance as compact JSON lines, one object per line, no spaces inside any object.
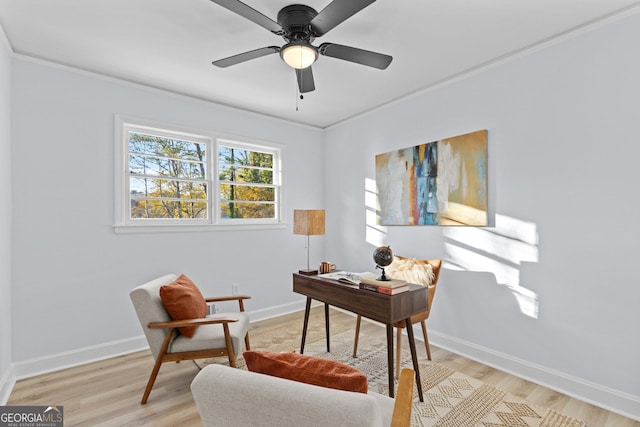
{"x":438,"y":183}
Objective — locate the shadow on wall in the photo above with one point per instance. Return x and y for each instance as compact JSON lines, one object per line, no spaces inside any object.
{"x":499,"y":250}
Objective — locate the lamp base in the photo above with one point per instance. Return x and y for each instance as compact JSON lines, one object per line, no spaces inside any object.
{"x":308,"y":272}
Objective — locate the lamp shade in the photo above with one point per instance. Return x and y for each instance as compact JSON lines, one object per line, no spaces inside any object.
{"x":308,"y":222}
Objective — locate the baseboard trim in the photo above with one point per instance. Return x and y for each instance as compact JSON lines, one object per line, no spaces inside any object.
{"x":81,"y":356}
{"x":7,"y":383}
{"x":275,"y":311}
{"x":612,"y":400}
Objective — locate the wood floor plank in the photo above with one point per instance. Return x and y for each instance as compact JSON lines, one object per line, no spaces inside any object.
{"x":107,"y":393}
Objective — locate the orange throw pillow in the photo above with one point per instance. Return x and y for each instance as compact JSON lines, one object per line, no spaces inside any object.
{"x":307,"y":369}
{"x":183,"y":300}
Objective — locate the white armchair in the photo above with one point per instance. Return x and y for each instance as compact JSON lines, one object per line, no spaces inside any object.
{"x":217,"y":335}
{"x":234,"y":397}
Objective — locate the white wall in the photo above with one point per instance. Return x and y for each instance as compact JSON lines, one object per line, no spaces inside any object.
{"x":563,"y":159}
{"x":71,"y":273}
{"x":5,"y":212}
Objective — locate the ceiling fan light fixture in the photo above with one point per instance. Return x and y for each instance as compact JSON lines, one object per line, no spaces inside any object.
{"x":299,"y":55}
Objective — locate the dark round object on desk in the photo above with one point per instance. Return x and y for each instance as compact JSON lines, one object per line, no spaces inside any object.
{"x":383,"y":256}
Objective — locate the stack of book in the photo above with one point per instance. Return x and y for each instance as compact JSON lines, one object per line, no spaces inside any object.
{"x":387,"y":287}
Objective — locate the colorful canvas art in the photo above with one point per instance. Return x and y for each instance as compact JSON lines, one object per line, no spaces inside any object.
{"x":438,"y":183}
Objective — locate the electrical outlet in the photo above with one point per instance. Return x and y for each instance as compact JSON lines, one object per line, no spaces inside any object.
{"x":235,"y":289}
{"x":213,"y":309}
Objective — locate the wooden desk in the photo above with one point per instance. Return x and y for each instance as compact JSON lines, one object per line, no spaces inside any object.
{"x":382,"y":308}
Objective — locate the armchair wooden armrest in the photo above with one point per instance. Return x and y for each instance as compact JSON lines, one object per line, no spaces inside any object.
{"x":404,"y":400}
{"x":191,"y":322}
{"x":227,"y":298}
{"x":239,"y":298}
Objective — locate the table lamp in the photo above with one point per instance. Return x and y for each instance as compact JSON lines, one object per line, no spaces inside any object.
{"x":308,"y":223}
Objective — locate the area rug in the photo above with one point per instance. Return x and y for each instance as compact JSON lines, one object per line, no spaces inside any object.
{"x":451,"y":399}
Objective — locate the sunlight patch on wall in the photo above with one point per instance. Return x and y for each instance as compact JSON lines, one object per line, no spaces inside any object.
{"x":499,"y":250}
{"x":375,"y":234}
{"x":496,"y":243}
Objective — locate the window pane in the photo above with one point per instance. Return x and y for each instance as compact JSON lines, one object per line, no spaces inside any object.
{"x":246,"y":192}
{"x":240,"y":174}
{"x":165,"y":147}
{"x":247,"y":210}
{"x":231,"y":156}
{"x":145,"y":165}
{"x":225,"y":155}
{"x":165,"y":188}
{"x":227,"y":173}
{"x":162,"y":209}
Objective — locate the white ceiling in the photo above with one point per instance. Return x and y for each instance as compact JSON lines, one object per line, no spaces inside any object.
{"x":169,"y":44}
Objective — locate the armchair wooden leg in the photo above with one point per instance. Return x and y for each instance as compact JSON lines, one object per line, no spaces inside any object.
{"x":227,"y":338}
{"x":398,"y":350}
{"x":246,"y":341}
{"x":426,"y":339}
{"x":152,"y":380}
{"x":156,"y":367}
{"x":355,"y":341}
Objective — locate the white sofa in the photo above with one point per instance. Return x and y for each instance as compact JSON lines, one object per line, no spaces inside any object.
{"x":233,"y":397}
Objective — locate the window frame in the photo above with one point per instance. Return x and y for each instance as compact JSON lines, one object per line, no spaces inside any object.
{"x":277,"y":180}
{"x":213,"y":140}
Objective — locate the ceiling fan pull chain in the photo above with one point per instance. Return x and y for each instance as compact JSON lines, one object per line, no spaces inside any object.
{"x":301,"y":85}
{"x":298,"y":94}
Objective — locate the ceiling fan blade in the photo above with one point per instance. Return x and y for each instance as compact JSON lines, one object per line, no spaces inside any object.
{"x":335,"y":13}
{"x":246,"y":56}
{"x":353,"y":54}
{"x":251,"y":14}
{"x":305,"y":80}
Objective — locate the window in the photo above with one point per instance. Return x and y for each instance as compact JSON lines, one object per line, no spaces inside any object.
{"x":247,"y":181}
{"x":169,"y":178}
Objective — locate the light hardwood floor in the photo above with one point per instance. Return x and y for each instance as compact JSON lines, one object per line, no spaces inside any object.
{"x":107,"y":393}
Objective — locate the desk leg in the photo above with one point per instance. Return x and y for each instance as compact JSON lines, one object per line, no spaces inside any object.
{"x":326,"y":323}
{"x":390,"y":359}
{"x":414,"y":357}
{"x":306,"y":323}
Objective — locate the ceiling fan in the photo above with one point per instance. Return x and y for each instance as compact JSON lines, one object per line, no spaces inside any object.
{"x":299,"y":25}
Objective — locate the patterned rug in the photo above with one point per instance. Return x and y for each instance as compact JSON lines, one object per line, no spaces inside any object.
{"x":451,"y":399}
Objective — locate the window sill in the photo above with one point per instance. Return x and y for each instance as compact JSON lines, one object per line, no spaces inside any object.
{"x":185,"y":228}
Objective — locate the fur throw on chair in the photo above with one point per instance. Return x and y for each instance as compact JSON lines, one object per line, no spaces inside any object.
{"x":412,"y":270}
